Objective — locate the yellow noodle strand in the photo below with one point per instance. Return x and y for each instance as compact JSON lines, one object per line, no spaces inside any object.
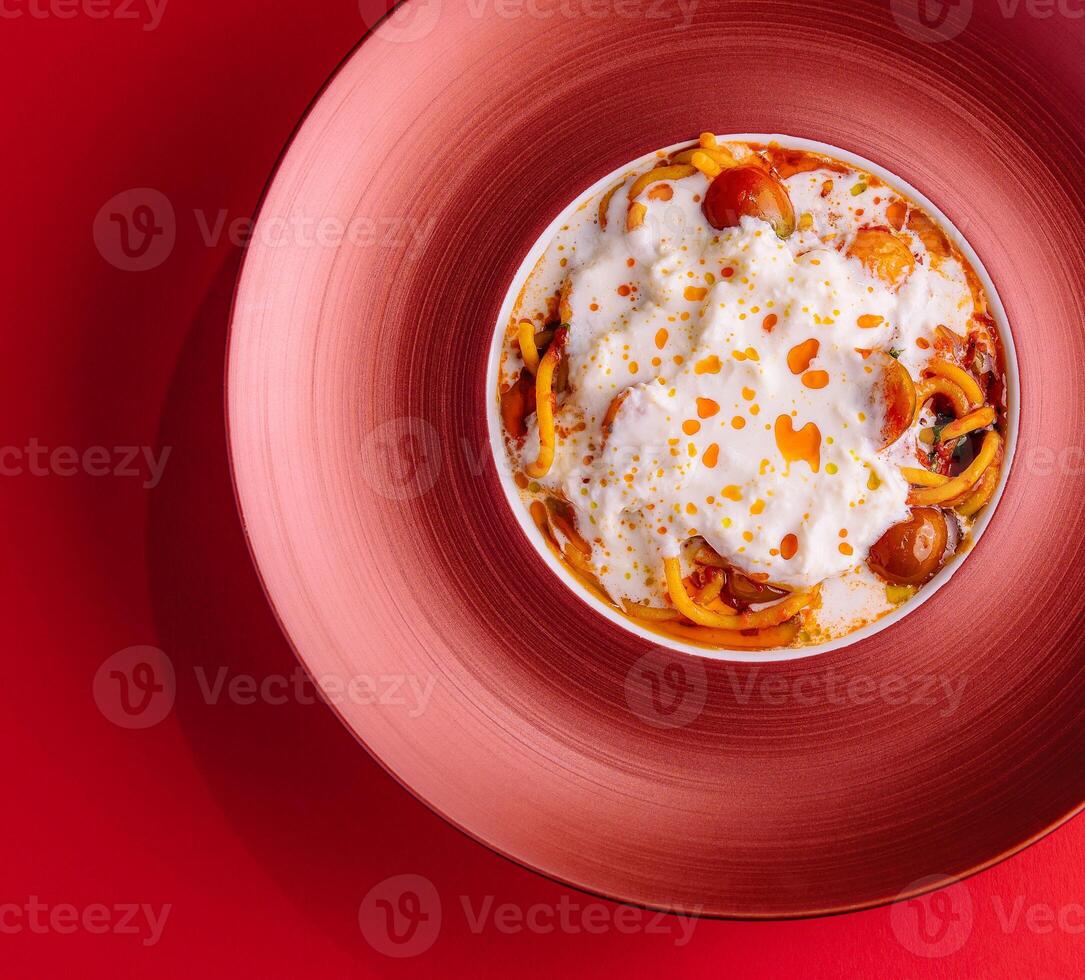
{"x":931,"y":496}
{"x":764,"y":639}
{"x":604,"y":204}
{"x":670,"y":172}
{"x":981,"y":495}
{"x":771,"y":616}
{"x":544,"y":405}
{"x":929,"y":387}
{"x":978,"y":419}
{"x":525,"y":334}
{"x":653,"y":614}
{"x":717,"y":153}
{"x":703,"y":162}
{"x":960,"y":377}
{"x":922,"y":478}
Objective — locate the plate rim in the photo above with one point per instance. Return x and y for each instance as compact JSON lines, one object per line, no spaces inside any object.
{"x":229,"y":359}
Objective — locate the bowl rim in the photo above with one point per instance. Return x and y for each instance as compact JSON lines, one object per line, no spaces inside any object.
{"x":538,"y":541}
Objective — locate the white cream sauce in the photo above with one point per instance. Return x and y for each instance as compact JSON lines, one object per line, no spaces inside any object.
{"x":697,"y":324}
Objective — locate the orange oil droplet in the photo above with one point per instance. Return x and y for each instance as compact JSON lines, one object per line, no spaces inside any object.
{"x":789,"y":547}
{"x":661,"y":338}
{"x":706,"y":407}
{"x":695,"y":293}
{"x":707,"y":365}
{"x":803,"y":445}
{"x":868,"y":320}
{"x":815,"y":379}
{"x":800,"y":356}
{"x":691,"y":427}
{"x":769,"y":322}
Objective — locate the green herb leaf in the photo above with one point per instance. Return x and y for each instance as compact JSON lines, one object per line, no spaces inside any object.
{"x":895,"y":352}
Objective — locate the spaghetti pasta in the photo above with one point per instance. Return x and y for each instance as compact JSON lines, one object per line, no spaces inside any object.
{"x":960,"y":377}
{"x":703,"y":162}
{"x":544,"y":400}
{"x":604,"y":204}
{"x":672,"y":172}
{"x":928,"y":496}
{"x":923,"y":478}
{"x":978,"y":418}
{"x":981,"y":495}
{"x":763,"y":639}
{"x":720,"y":156}
{"x":777,"y":367}
{"x":641,"y":610}
{"x":525,"y":334}
{"x":772,"y":616}
{"x":950,"y":390}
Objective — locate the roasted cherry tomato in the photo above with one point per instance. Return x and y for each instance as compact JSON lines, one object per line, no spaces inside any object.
{"x":896,"y":392}
{"x":884,"y":254}
{"x":910,"y":553}
{"x":742,"y":591}
{"x":517,"y":403}
{"x":752,"y":191}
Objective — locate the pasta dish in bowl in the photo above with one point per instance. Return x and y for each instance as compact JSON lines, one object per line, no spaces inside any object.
{"x":750,"y":394}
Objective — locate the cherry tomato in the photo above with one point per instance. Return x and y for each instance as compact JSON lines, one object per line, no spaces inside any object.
{"x":748,"y":190}
{"x":884,"y":254}
{"x":742,"y":591}
{"x":911,"y":552}
{"x":517,"y":403}
{"x":896,"y":392}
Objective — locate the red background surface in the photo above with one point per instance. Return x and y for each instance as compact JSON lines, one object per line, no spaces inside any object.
{"x":262,"y":826}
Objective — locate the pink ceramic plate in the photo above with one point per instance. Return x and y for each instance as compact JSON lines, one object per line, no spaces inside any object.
{"x":357,"y":404}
